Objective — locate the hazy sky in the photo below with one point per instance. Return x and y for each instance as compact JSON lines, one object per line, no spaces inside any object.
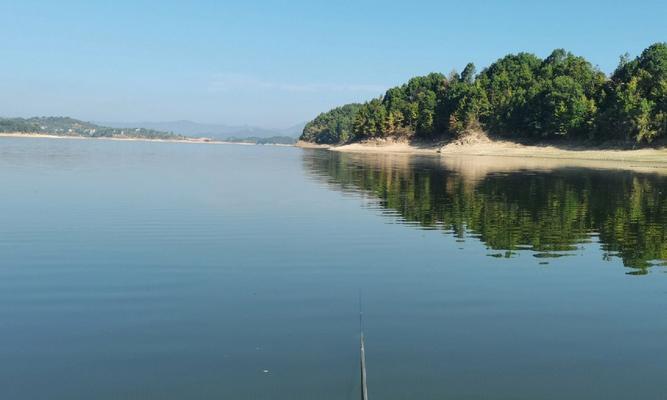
{"x":277,"y":63}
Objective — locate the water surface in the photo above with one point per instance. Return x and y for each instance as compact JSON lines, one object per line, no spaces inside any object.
{"x":169,"y":271}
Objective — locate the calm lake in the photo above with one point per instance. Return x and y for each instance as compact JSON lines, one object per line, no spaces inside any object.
{"x":133,"y":270}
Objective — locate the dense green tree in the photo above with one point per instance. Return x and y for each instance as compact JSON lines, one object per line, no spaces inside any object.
{"x":567,"y":98}
{"x":510,"y":85}
{"x":520,"y":95}
{"x":407,"y":110}
{"x":562,"y":108}
{"x":426,"y":102}
{"x":635,"y":106}
{"x":334,"y":126}
{"x":468,"y":74}
{"x":372,"y":119}
{"x":461,"y":104}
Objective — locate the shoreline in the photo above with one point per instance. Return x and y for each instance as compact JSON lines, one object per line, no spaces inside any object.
{"x":480,"y":145}
{"x":134,"y":139}
{"x":122,"y":139}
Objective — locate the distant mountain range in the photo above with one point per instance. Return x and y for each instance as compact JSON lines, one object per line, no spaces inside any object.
{"x":213,"y":131}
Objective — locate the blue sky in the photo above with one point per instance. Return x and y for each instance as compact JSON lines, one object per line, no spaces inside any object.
{"x":277,"y":63}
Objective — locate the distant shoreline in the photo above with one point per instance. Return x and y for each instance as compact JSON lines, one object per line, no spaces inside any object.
{"x":134,"y":139}
{"x":481,"y":145}
{"x":115,"y":138}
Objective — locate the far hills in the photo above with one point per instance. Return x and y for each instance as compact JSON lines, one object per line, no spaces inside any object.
{"x":216,"y":131}
{"x":177,"y":130}
{"x":66,"y":126}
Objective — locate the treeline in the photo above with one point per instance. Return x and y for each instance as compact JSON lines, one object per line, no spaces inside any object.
{"x":285,"y":140}
{"x":65,"y":126}
{"x":335,"y":126}
{"x":519,"y":95}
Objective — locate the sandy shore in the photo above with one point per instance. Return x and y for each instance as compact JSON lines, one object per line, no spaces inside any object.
{"x":310,"y":145}
{"x":481,"y":145}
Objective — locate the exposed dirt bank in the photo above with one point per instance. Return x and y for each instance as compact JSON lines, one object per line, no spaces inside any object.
{"x":479,"y":144}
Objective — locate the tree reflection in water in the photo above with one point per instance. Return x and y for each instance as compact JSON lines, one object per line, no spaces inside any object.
{"x":547,"y":207}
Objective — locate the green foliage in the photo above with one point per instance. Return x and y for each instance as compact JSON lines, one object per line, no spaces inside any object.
{"x":520,"y":95}
{"x":334,"y":126}
{"x":468,"y":74}
{"x":635,"y":105}
{"x":510,"y":85}
{"x":371,"y":119}
{"x":407,"y":110}
{"x":462,"y":103}
{"x":546,"y":98}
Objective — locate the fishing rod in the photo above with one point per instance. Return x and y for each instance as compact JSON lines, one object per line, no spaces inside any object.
{"x":362,"y":353}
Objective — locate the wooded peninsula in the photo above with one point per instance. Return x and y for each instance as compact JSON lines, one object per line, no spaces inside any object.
{"x":519,"y":96}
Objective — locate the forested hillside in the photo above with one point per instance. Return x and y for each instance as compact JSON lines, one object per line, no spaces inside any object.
{"x":520,"y":95}
{"x":334,"y":126}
